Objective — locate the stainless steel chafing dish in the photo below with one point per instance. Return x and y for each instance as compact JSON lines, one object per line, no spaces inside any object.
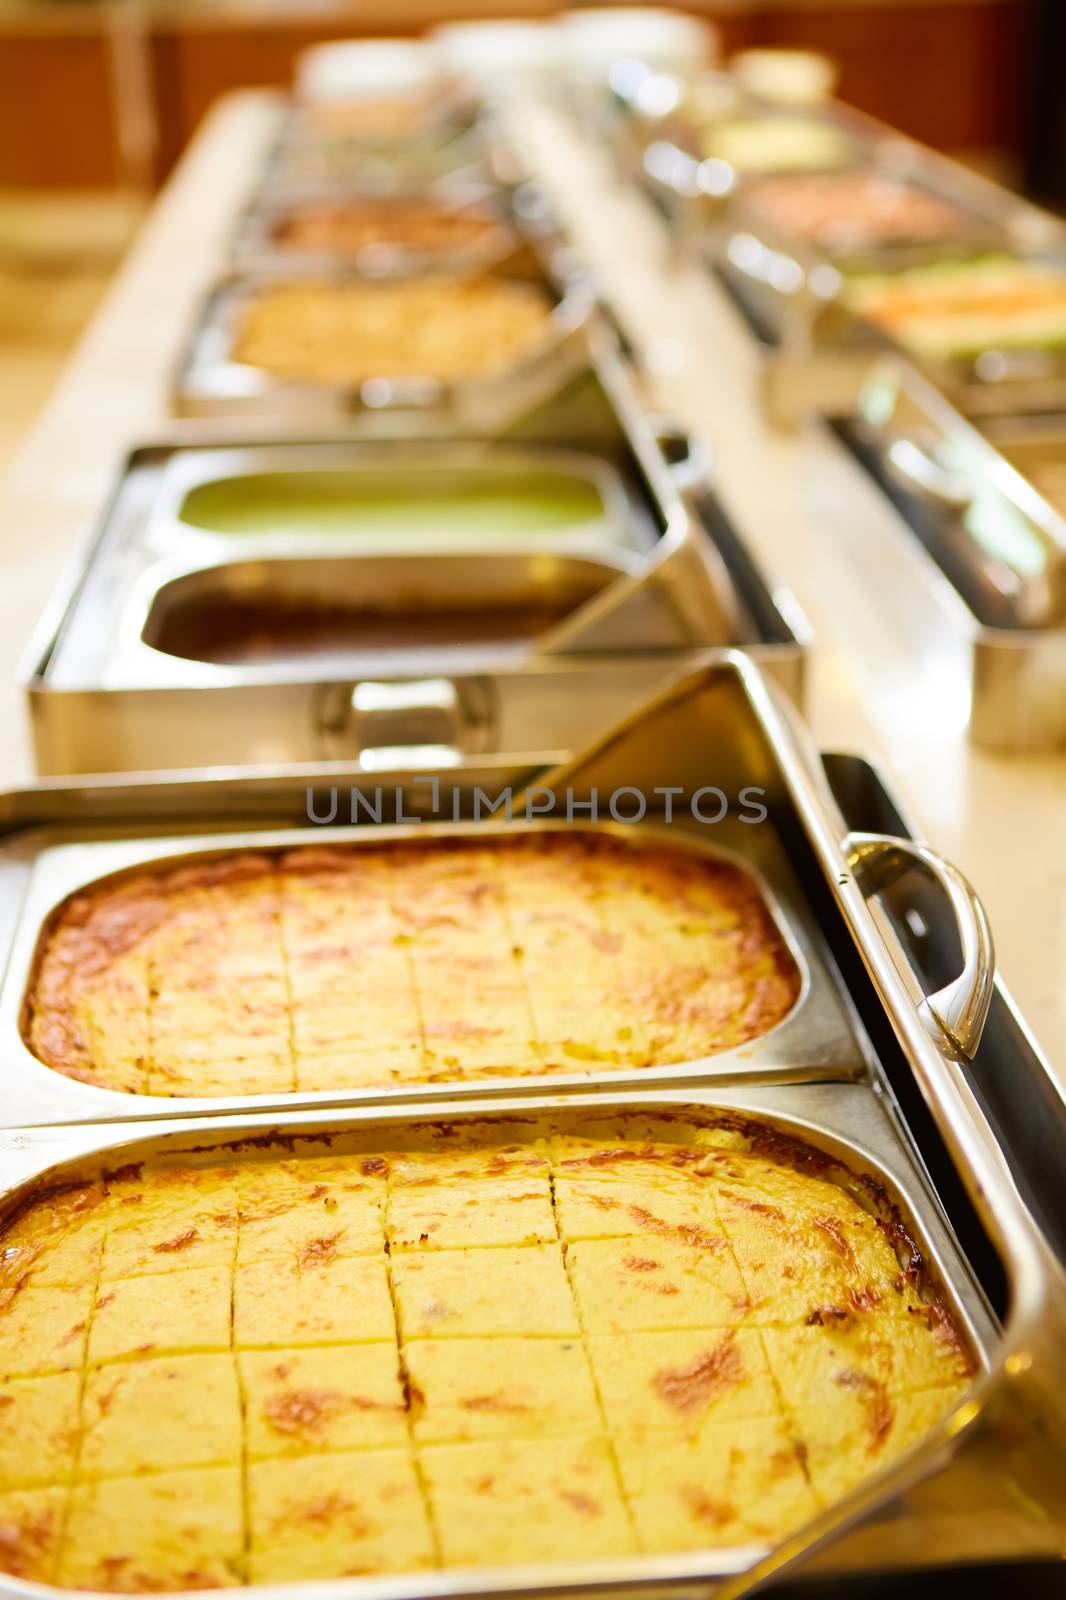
{"x":816,"y":351}
{"x":721,"y":707}
{"x":952,"y":1113}
{"x":210,"y":381}
{"x":970,"y":558}
{"x":498,"y":190}
{"x":661,"y":568}
{"x":453,"y":135}
{"x":506,"y":216}
{"x":658,"y":139}
{"x":1036,"y":447}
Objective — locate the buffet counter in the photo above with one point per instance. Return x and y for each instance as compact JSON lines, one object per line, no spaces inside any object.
{"x":998,"y":817}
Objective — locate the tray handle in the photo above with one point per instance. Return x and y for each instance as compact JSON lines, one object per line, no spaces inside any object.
{"x":917,"y":471}
{"x":688,"y":458}
{"x":960,"y":1008}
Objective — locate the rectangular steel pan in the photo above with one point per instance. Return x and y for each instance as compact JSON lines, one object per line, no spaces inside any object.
{"x":101,"y":699}
{"x":210,"y":382}
{"x":999,"y":652}
{"x":816,"y":354}
{"x":461,"y":142}
{"x":909,"y":1516}
{"x":817,"y":1038}
{"x":714,"y":725}
{"x":519,"y":211}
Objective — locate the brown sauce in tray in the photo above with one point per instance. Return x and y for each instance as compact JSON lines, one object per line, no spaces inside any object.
{"x":244,"y":633}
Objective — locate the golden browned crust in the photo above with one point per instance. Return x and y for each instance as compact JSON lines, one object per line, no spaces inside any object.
{"x":441,"y":327}
{"x":483,"y":1343}
{"x":326,"y":968}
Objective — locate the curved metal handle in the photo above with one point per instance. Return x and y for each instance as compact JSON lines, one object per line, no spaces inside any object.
{"x":960,"y":1008}
{"x":688,"y":458}
{"x":917,"y":471}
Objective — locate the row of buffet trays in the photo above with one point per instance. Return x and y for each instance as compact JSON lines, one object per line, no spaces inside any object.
{"x":451,"y":563}
{"x":919,"y":311}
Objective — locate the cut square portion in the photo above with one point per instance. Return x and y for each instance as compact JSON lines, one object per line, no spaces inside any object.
{"x":493,"y":1388}
{"x":162,"y":1314}
{"x":336,"y":1516}
{"x":442,"y":1293}
{"x":31,"y":1521}
{"x":146,"y":1416}
{"x":578,"y":1030}
{"x":513,"y":1211}
{"x":347,"y":1397}
{"x":618,"y":1206}
{"x":172,"y":1530}
{"x":732,"y":1486}
{"x":112,"y":1018}
{"x":224,"y":1068}
{"x":477,"y":1058}
{"x":337,"y":924}
{"x":170,"y":1223}
{"x":824,"y":1364}
{"x":324,"y":1300}
{"x":494,"y":1037}
{"x":43,"y":1330}
{"x":451,"y":1167}
{"x":363,"y":1066}
{"x":845,"y":1445}
{"x":38,"y":1429}
{"x":627,"y":1285}
{"x":498,"y":1502}
{"x":55,"y":1246}
{"x":370,"y":1019}
{"x":678,"y":1383}
{"x":800,"y":1262}
{"x":300,"y":1212}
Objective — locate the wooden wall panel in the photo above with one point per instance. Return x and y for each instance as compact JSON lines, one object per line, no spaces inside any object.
{"x":953,"y":74}
{"x":56,"y":110}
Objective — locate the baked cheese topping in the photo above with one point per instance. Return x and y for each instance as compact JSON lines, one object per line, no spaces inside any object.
{"x":325,"y":969}
{"x":440,"y":327}
{"x":638,"y":1335}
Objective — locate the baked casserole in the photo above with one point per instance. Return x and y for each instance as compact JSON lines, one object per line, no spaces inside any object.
{"x":327,"y":968}
{"x":464,"y":1349}
{"x":444,"y":327}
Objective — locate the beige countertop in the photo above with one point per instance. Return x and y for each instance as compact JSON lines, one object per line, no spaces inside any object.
{"x":1000,"y":819}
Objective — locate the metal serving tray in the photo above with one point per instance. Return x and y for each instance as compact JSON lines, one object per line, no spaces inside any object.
{"x":657,"y":144}
{"x":986,"y":1481}
{"x":209,"y":382}
{"x":1034,"y":446}
{"x":722,"y":707}
{"x":102,"y":699}
{"x":461,"y":139}
{"x":970,"y":560}
{"x":816,"y":353}
{"x":817,"y":1038}
{"x":515,"y":215}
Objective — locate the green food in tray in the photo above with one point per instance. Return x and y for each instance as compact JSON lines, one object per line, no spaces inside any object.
{"x":476,"y":504}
